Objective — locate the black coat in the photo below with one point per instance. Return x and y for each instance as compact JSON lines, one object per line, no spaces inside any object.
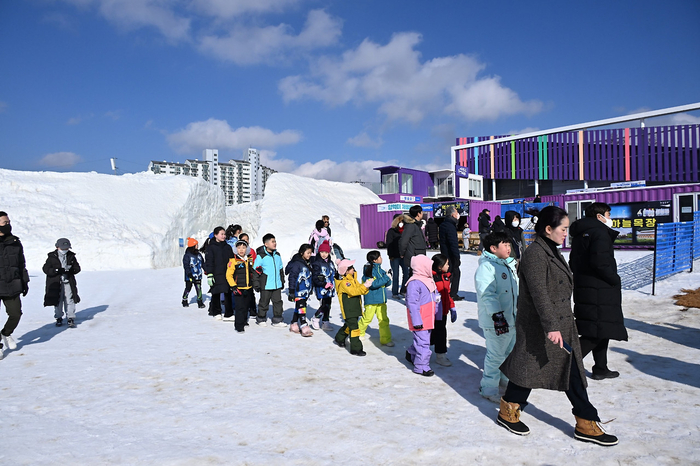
{"x":484,"y":224}
{"x":498,"y":226}
{"x":431,"y":229}
{"x":52,"y":295}
{"x":412,"y":242}
{"x":597,"y":286}
{"x":516,"y":235}
{"x":449,"y":241}
{"x":13,"y":269}
{"x":216,"y":262}
{"x":393,"y":235}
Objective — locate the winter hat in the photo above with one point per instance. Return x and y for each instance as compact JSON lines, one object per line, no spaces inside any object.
{"x":324,"y":247}
{"x":191,"y":242}
{"x":63,"y":243}
{"x":243,"y":242}
{"x":344,"y":265}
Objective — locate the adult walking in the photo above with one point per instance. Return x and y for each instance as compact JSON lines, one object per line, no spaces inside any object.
{"x":449,"y":246}
{"x":597,"y":287}
{"x":412,"y":241}
{"x":14,"y":280}
{"x":216,"y":258}
{"x":484,"y":226}
{"x":432,"y":231}
{"x":393,"y":235}
{"x":515,"y":233}
{"x":547,"y":353}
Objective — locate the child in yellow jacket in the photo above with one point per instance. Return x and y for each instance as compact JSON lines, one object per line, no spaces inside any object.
{"x":349,"y":292}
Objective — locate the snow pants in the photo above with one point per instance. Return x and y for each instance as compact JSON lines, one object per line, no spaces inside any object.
{"x":382,"y":321}
{"x":577,"y":395}
{"x":242,"y":302}
{"x":438,"y":336}
{"x":215,"y":304}
{"x":65,"y":301}
{"x":420,"y":351}
{"x":324,"y":311}
{"x":498,"y":347}
{"x":197,"y":288}
{"x":13,"y":307}
{"x":277,"y":307}
{"x":350,"y":327}
{"x":300,"y":312}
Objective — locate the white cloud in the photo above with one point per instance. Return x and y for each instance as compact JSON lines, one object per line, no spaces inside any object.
{"x":74,"y":121}
{"x":685,"y":119}
{"x":326,"y":169}
{"x":134,"y":14}
{"x":364,"y":140}
{"x":60,"y":159}
{"x":218,"y":134}
{"x":227,"y":9}
{"x":246,"y":45}
{"x":113,"y":114}
{"x":393,"y":77}
{"x":528,"y":129}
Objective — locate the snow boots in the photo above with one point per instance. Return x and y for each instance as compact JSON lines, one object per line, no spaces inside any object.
{"x":509,"y":417}
{"x":590,"y":431}
{"x":200,"y":304}
{"x":59,"y":322}
{"x":294,"y":327}
{"x":185,"y":302}
{"x":306,"y":331}
{"x":71,"y":323}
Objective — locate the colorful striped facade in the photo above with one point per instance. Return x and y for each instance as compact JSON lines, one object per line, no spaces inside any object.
{"x":653,"y":154}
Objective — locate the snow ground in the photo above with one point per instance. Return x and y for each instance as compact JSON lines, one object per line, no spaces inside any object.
{"x":142,"y":380}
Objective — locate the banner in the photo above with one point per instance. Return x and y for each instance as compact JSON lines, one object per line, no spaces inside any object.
{"x":636,"y":221}
{"x":440,"y":210}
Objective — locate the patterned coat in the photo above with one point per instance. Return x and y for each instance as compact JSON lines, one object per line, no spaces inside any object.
{"x":544,"y":306}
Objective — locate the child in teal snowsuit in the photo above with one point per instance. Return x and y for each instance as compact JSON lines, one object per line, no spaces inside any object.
{"x":375,"y":300}
{"x":496,"y":282}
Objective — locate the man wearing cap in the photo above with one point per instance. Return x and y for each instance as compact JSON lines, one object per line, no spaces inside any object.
{"x":14,"y":280}
{"x":61,"y":290}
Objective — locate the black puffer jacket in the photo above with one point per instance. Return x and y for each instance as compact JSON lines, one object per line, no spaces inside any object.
{"x":516,"y":235}
{"x":412,"y":242}
{"x":52,"y":296}
{"x":216,"y":262}
{"x":484,"y":223}
{"x":393,"y":235}
{"x":449,"y":241}
{"x":597,"y":287}
{"x":431,"y":229}
{"x":13,"y":268}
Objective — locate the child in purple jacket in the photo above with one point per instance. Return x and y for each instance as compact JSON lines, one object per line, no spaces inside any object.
{"x":421,"y":299}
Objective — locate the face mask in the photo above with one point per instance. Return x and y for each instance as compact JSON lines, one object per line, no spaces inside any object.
{"x":515,"y":223}
{"x":400,"y":224}
{"x":6,"y":229}
{"x":608,"y":222}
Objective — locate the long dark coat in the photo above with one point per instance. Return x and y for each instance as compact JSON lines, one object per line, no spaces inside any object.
{"x":216,"y":260}
{"x":597,"y":286}
{"x":393,"y":235}
{"x":52,"y":294}
{"x":412,"y":241}
{"x":431,"y":229}
{"x":544,"y":305}
{"x":13,"y":270}
{"x":449,"y":241}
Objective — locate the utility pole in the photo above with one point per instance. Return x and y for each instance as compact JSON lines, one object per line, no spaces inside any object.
{"x":114,"y":164}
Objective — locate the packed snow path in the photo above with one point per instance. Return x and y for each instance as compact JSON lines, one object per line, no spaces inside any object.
{"x":142,"y":380}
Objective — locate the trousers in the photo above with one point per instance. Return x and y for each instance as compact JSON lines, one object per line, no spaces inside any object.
{"x":277,"y":307}
{"x":382,"y":321}
{"x":350,"y":327}
{"x":420,"y":351}
{"x":498,"y":347}
{"x":65,"y":301}
{"x":13,"y":307}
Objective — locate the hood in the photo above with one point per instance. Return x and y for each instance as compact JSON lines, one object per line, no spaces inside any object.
{"x":510,"y":215}
{"x":422,"y":266}
{"x":408,"y":219}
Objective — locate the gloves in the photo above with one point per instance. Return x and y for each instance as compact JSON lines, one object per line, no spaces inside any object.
{"x":328,"y":286}
{"x":390,"y":273}
{"x":210,"y":279}
{"x":290,"y":297}
{"x":499,"y":323}
{"x":368,"y":282}
{"x":189,"y":278}
{"x":60,"y":271}
{"x":418,"y":327}
{"x":453,"y":315}
{"x":236,"y":291}
{"x":25,"y":289}
{"x":438,"y":298}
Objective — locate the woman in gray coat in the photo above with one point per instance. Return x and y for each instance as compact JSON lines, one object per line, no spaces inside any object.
{"x":547,"y":352}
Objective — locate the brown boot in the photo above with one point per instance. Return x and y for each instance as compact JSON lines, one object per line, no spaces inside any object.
{"x":509,"y":417}
{"x":590,"y":431}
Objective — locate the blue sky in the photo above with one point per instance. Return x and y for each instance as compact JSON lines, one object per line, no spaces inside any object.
{"x":327,"y":89}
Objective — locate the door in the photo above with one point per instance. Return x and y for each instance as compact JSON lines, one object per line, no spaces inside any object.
{"x":684,"y":206}
{"x":576,"y":210}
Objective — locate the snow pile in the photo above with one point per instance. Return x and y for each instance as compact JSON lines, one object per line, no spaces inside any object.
{"x":292,"y":205}
{"x":114,"y":222}
{"x":246,"y":215}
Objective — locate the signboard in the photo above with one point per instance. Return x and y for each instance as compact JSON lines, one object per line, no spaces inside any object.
{"x":461,"y":171}
{"x":636,"y":221}
{"x":401,"y":207}
{"x":409,"y":198}
{"x":629,"y":184}
{"x":182,"y":242}
{"x":441,"y":209}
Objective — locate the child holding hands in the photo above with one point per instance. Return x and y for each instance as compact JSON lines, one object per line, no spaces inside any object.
{"x":375,"y":301}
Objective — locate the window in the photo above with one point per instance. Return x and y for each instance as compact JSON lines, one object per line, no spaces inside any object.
{"x":407,"y":183}
{"x":445,"y":187}
{"x":475,"y":188}
{"x":390,"y":183}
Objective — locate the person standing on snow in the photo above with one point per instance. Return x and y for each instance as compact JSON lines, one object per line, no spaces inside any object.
{"x":61,"y":289}
{"x":412,"y":241}
{"x":393,"y":236}
{"x":484,"y":227}
{"x":216,"y":259}
{"x":449,"y":247}
{"x":597,"y":287}
{"x":192,"y":262}
{"x":432,"y":230}
{"x":14,"y":280}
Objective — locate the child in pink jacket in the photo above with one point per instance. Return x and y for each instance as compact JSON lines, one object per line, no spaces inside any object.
{"x":421,"y":299}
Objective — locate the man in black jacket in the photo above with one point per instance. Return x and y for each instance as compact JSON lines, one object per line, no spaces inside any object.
{"x":484,"y":227}
{"x":597,"y":286}
{"x":14,"y":280}
{"x":412,"y":241}
{"x":449,"y":246}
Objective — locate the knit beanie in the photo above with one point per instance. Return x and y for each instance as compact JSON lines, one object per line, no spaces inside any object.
{"x":324,"y":247}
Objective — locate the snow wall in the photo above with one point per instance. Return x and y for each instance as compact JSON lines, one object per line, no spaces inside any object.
{"x":130,"y":221}
{"x":291,"y":206}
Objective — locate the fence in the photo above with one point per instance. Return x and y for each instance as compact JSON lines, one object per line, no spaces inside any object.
{"x":676,"y":245}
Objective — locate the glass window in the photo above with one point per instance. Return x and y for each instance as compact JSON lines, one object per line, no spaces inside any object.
{"x":390,"y":183}
{"x":407,"y":183}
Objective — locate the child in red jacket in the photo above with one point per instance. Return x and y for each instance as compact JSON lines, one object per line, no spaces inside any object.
{"x":439,"y":335}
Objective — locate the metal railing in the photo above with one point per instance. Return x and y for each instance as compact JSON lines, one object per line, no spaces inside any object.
{"x":676,"y":245}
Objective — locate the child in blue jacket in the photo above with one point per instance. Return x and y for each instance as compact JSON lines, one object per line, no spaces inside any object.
{"x":269,"y":265}
{"x":496,"y":282}
{"x":323,"y":279}
{"x":375,"y":300}
{"x":192,"y":262}
{"x":299,"y":271}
